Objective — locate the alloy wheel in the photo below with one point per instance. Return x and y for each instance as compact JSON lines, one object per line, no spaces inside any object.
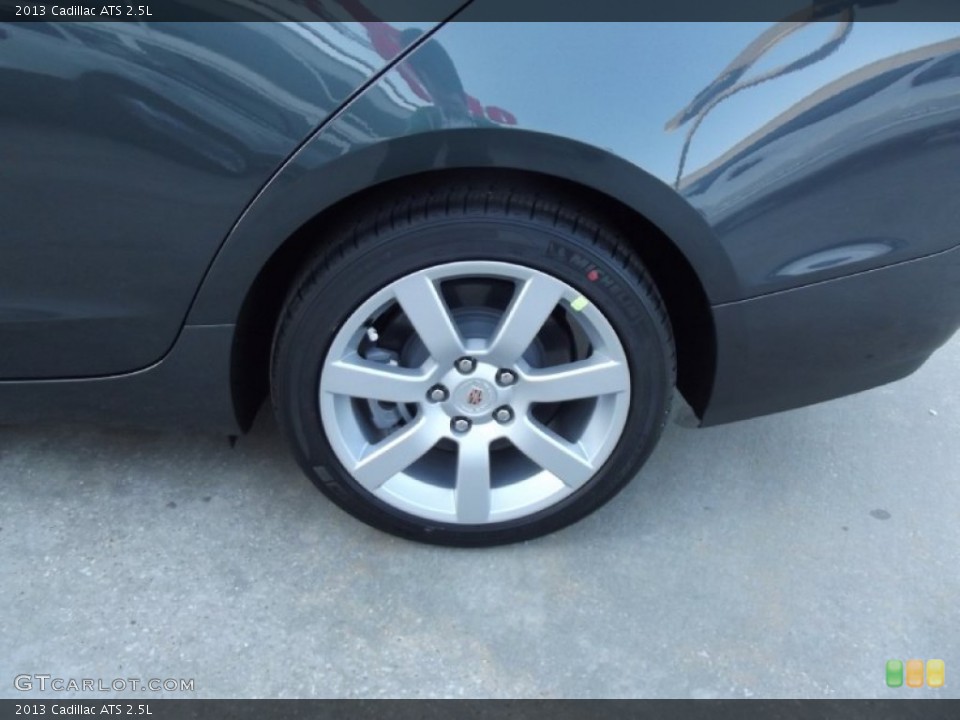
{"x":474,"y":392}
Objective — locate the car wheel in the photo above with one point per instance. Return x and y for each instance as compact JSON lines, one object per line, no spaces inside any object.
{"x":473,"y":365}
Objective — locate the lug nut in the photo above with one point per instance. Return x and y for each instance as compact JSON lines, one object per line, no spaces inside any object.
{"x":506,"y":377}
{"x":460,"y":425}
{"x":503,"y":415}
{"x":465,"y":365}
{"x":438,"y":393}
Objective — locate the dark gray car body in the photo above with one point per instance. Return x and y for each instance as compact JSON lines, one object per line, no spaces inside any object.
{"x":161,"y":184}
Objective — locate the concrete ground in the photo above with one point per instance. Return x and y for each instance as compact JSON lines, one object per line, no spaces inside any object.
{"x":788,"y":556}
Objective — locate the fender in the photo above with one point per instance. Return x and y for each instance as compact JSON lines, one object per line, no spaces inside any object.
{"x":316,"y":179}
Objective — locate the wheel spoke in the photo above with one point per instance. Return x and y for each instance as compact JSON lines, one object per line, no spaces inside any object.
{"x":472,"y":493}
{"x":361,"y":378}
{"x":532,"y":304}
{"x":582,"y":379}
{"x":552,"y":452}
{"x":393,"y":455}
{"x":424,"y":307}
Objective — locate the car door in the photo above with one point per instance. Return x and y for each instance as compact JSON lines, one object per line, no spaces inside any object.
{"x":127,"y":153}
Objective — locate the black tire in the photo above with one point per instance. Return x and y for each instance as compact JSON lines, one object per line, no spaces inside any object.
{"x":510,"y":221}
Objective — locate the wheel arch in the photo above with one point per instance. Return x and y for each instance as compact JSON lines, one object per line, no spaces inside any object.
{"x":252,"y":274}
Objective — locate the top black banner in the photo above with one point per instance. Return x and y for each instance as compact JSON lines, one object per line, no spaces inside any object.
{"x":478,"y":10}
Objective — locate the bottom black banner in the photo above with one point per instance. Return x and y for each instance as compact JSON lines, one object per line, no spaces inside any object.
{"x":484,"y":709}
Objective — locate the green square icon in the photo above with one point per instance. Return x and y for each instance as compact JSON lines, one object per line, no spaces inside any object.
{"x":894,"y":673}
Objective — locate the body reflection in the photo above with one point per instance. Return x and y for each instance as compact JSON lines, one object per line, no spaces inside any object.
{"x":827,"y":173}
{"x":730,"y":81}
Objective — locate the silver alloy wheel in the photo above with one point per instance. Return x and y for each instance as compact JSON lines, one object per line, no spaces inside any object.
{"x":455,"y":456}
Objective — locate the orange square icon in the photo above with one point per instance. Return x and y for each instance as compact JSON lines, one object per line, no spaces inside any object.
{"x":935,"y":673}
{"x":914,"y":673}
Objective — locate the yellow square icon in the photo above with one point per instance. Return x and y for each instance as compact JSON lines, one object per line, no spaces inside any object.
{"x":936,"y":673}
{"x":915,"y":673}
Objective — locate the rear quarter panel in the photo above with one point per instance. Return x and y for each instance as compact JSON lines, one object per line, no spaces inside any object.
{"x":845,"y":163}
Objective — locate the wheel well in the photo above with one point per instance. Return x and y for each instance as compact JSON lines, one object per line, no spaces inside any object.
{"x":676,"y":280}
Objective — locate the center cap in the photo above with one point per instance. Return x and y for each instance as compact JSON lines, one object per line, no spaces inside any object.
{"x":475,"y":397}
